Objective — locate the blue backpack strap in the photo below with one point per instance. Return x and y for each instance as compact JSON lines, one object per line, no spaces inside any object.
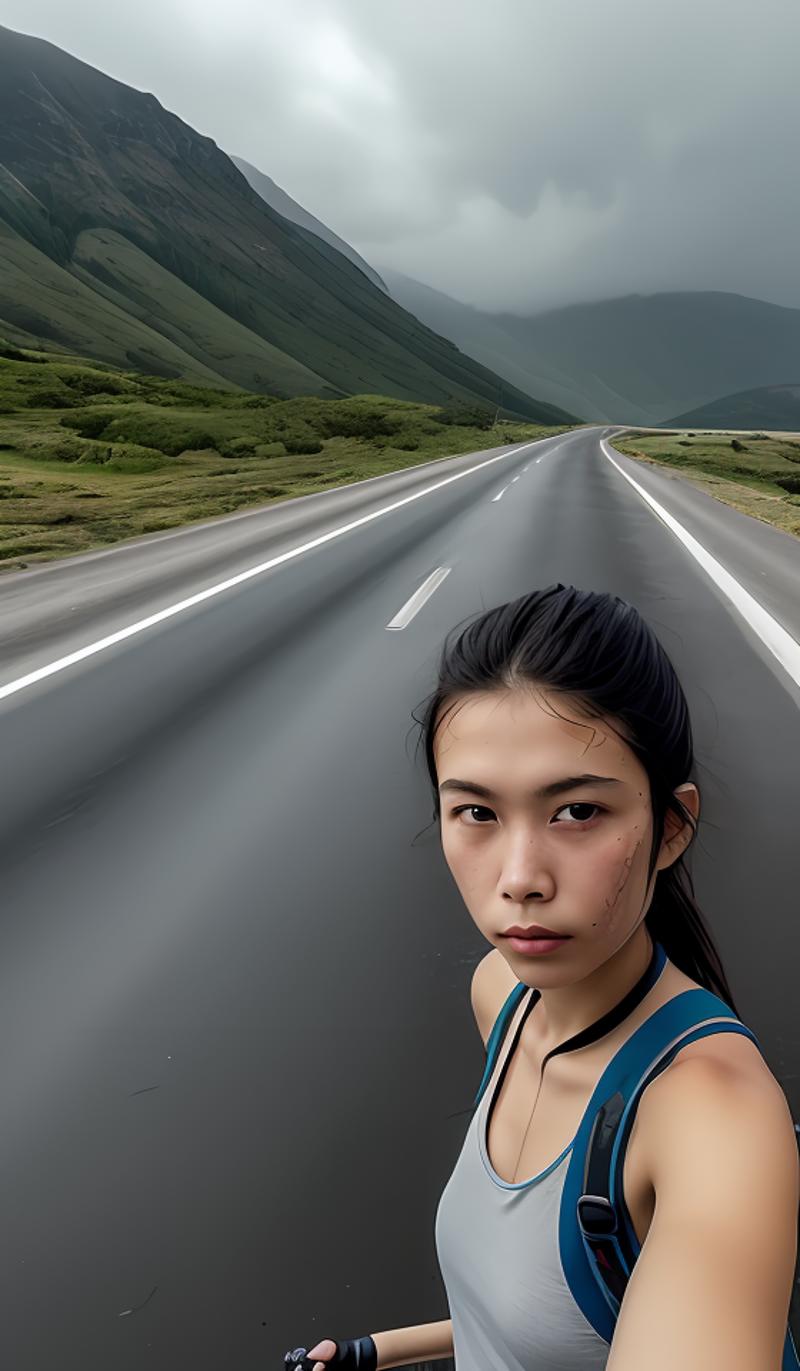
{"x":613,"y":1173}
{"x":497,"y":1034}
{"x":692,"y":1014}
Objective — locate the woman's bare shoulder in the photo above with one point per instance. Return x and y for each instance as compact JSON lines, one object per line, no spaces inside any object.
{"x":720,"y":1065}
{"x":492,"y":983}
{"x":725,"y":1047}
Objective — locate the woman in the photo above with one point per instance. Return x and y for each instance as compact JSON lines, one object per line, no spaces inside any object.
{"x":533,"y":698}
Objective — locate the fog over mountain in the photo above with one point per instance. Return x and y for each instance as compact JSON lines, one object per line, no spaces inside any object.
{"x":639,"y":359}
{"x":519,"y":156}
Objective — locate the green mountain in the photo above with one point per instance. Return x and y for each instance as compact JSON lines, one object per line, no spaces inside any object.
{"x":130,"y":238}
{"x":639,"y":359}
{"x":769,"y":407}
{"x":289,"y":208}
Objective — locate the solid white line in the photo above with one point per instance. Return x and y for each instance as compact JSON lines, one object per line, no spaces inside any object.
{"x":418,"y":599}
{"x":773,"y":635}
{"x":102,"y":643}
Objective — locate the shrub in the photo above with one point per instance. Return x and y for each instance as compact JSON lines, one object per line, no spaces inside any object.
{"x":465,"y":415}
{"x":340,"y":419}
{"x":192,"y":441}
{"x":238,"y":447}
{"x":262,"y":401}
{"x":301,"y":443}
{"x":88,"y":423}
{"x":790,"y":483}
{"x":737,"y":446}
{"x":66,"y":449}
{"x":50,"y":399}
{"x":90,"y":383}
{"x":270,"y":449}
{"x":684,"y":443}
{"x":132,"y":459}
{"x":161,"y":432}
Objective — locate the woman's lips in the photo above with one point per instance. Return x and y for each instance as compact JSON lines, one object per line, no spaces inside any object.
{"x":536,"y":947}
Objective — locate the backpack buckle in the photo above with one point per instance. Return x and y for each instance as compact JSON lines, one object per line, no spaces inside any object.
{"x":596,"y":1216}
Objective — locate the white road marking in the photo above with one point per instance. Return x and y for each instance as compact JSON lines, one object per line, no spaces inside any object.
{"x":500,"y":496}
{"x":417,"y":600}
{"x":773,"y":635}
{"x":102,"y":643}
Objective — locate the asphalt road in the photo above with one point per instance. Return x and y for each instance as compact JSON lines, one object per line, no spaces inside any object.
{"x":234,"y":969}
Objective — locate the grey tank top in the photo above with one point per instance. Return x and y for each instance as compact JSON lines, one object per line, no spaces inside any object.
{"x":497,"y":1245}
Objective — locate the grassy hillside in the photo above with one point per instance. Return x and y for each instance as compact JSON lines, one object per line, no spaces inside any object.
{"x":91,"y":454}
{"x":115,"y":192}
{"x":768,"y":407}
{"x":753,"y":472}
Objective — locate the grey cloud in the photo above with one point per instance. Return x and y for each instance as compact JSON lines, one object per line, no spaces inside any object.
{"x":518,"y":154}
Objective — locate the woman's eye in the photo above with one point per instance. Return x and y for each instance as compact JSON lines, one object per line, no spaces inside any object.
{"x":574,"y":823}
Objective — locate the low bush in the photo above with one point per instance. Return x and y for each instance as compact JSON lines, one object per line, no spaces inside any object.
{"x":89,"y":423}
{"x":132,"y":459}
{"x":300,"y":443}
{"x":338,"y":419}
{"x":159,"y":431}
{"x":238,"y":447}
{"x":737,"y":446}
{"x":93,"y":383}
{"x":465,"y":415}
{"x":66,"y":449}
{"x":50,"y":399}
{"x":192,"y":441}
{"x":270,"y":449}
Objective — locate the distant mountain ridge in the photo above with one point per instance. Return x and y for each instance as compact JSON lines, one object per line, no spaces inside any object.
{"x":636,"y":359}
{"x":768,"y":407}
{"x":130,"y":237}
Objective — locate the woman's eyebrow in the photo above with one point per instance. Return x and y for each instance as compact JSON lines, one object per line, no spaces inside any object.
{"x":544,"y":792}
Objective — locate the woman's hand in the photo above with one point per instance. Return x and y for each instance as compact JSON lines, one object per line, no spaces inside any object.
{"x":349,"y":1354}
{"x":323,"y":1351}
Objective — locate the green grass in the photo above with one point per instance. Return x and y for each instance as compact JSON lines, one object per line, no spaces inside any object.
{"x":91,"y":455}
{"x":747,"y":480}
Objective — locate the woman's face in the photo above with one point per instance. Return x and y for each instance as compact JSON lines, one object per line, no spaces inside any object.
{"x":575,"y":862}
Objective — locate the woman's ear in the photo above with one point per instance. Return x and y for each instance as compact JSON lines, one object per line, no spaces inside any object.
{"x":677,"y":831}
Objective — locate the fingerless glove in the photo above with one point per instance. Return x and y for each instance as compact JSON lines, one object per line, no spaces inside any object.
{"x":352,"y":1354}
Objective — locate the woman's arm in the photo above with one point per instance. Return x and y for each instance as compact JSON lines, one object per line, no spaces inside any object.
{"x":711,"y":1287}
{"x":423,"y":1342}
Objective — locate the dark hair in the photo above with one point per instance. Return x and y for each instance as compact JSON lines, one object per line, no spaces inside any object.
{"x":597,"y":649}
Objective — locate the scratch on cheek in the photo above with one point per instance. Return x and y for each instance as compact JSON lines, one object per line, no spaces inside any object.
{"x":612,"y":906}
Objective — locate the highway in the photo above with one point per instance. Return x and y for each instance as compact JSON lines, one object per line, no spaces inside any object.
{"x":234,"y":969}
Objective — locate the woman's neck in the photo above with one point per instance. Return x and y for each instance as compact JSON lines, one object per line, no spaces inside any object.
{"x":563,"y":1012}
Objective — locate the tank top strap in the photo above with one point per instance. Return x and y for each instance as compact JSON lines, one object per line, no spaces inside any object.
{"x":689,"y":1015}
{"x":498,"y":1033}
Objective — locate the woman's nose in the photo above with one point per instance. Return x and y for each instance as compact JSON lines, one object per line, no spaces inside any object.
{"x":526,"y":871}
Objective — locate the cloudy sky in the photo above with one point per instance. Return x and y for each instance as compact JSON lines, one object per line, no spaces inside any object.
{"x":517,"y":154}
